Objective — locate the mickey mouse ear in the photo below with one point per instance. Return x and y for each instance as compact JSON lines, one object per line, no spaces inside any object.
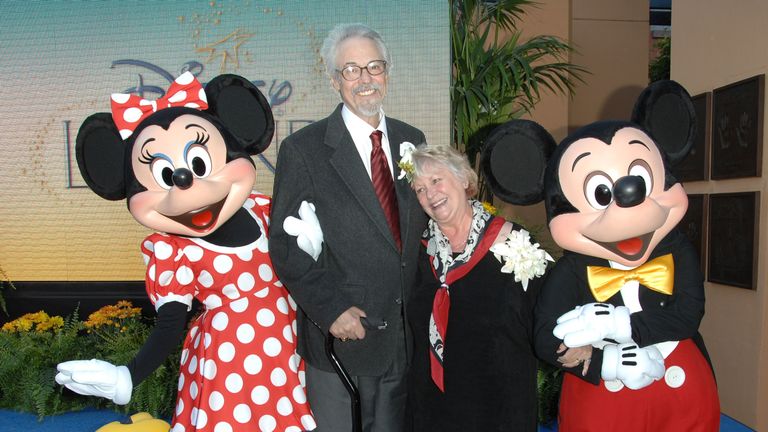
{"x":243,"y":109}
{"x":665,"y":110}
{"x":514,"y":160}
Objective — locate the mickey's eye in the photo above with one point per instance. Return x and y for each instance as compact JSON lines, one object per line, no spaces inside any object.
{"x":598,"y":190}
{"x":162,"y":171}
{"x":641,"y":169}
{"x":199,"y":161}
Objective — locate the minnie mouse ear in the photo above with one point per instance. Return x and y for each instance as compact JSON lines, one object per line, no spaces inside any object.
{"x":243,"y":110}
{"x":665,"y":110}
{"x":514,"y":161}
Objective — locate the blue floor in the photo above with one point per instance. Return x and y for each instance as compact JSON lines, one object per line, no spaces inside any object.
{"x":90,"y":420}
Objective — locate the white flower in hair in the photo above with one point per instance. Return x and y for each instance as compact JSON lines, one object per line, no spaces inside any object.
{"x":521,"y":257}
{"x":406,"y":161}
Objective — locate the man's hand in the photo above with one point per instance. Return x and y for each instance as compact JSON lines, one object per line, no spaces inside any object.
{"x":572,"y":357}
{"x":306,"y":229}
{"x":96,"y":378}
{"x":348,"y":326}
{"x":593,"y":322}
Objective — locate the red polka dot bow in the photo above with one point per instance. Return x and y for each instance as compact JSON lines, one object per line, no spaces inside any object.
{"x":128,"y":110}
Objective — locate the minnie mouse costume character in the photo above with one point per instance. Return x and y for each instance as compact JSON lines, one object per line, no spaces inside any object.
{"x":626,"y":299}
{"x":183,"y":163}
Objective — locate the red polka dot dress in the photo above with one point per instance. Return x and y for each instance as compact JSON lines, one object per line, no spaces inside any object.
{"x":239,"y":367}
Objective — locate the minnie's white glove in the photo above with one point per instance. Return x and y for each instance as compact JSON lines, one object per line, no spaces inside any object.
{"x":634,"y":366}
{"x":96,"y":378}
{"x":593,"y":322}
{"x":306,"y":228}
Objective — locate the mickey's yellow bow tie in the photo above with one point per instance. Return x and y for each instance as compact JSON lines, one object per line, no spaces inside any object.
{"x":657,"y":274}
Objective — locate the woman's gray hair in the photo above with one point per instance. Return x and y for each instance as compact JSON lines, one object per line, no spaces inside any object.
{"x":342,"y":32}
{"x":449,"y":157}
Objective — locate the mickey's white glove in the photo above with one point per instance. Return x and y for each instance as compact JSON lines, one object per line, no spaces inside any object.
{"x":593,"y":322}
{"x":306,"y":228}
{"x":634,"y":366}
{"x":96,"y":378}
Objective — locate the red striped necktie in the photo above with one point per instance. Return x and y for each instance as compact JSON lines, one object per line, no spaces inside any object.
{"x":384,"y":186}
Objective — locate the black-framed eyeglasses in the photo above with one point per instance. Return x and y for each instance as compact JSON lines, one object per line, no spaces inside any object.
{"x":352,"y":72}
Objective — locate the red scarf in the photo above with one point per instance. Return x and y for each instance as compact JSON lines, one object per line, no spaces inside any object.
{"x":442,"y":302}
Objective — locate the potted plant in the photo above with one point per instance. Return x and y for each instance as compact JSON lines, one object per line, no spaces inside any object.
{"x":497,"y":74}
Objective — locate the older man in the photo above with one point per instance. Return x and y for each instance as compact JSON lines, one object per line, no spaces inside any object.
{"x":345,"y":165}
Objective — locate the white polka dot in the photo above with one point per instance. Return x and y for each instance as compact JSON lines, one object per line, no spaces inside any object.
{"x":242,"y":413}
{"x":293,"y":429}
{"x":193,"y":416}
{"x":292,"y":303}
{"x":165,"y":278}
{"x":265,"y":272}
{"x":239,"y":305}
{"x":260,"y":395}
{"x":223,"y":427}
{"x":184,"y":275}
{"x":216,"y":400}
{"x":201,"y":95}
{"x":267,"y":423}
{"x":206,"y":340}
{"x":178,"y":427}
{"x":226,"y":352}
{"x":252,"y":364}
{"x":193,"y":390}
{"x":209,"y":371}
{"x":120,"y":98}
{"x":298,"y":395}
{"x":179,"y":407}
{"x":303,"y":379}
{"x":262,"y":292}
{"x":184,"y":355}
{"x":230,"y":290}
{"x":132,"y":115}
{"x":212,"y":301}
{"x":245,"y":333}
{"x":178,"y":96}
{"x":293,"y":327}
{"x":293,"y":362}
{"x":282,"y":305}
{"x":163,"y":250}
{"x":262,"y":245}
{"x":181,"y":382}
{"x":284,"y":406}
{"x":220,"y":321}
{"x":288,"y":334}
{"x":277,"y":377}
{"x":192,"y":365}
{"x":193,"y":253}
{"x":234,"y":383}
{"x":265,"y":317}
{"x":205,"y":279}
{"x":185,"y":78}
{"x":245,"y":255}
{"x":272,"y":347}
{"x":196,"y":342}
{"x":249,"y":203}
{"x":222,"y":264}
{"x":145,"y":257}
{"x":246,"y":281}
{"x":308,"y":422}
{"x":261,"y":200}
{"x":202,"y":419}
{"x":278,"y":284}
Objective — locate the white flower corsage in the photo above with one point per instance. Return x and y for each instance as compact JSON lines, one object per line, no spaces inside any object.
{"x":521,"y":257}
{"x":406,"y":162}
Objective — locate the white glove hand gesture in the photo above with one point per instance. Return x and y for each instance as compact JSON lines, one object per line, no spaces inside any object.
{"x":593,"y":322}
{"x":96,"y":378}
{"x":306,"y":228}
{"x":634,"y":366}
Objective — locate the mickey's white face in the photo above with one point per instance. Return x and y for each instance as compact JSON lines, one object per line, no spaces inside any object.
{"x":618,"y":190}
{"x":191,"y":189}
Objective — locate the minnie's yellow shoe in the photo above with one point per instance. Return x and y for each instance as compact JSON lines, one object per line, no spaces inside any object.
{"x":139,"y":422}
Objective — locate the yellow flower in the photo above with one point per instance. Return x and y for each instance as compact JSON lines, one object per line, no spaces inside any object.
{"x":111,"y":315}
{"x":490,"y":208}
{"x":37,"y":321}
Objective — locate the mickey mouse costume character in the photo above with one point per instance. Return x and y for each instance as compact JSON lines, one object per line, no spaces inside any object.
{"x":183,"y":163}
{"x":626,"y":299}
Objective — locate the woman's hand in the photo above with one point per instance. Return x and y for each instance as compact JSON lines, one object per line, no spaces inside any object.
{"x":572,"y":357}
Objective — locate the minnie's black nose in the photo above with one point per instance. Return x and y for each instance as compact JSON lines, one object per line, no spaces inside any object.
{"x":182,"y":178}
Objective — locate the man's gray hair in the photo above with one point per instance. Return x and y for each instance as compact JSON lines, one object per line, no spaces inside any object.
{"x":342,"y":32}
{"x":449,"y":157}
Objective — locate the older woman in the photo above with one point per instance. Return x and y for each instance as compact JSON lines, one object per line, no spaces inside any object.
{"x":471,"y":312}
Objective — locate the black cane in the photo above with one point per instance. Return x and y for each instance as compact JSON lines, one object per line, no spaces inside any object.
{"x":346,"y":379}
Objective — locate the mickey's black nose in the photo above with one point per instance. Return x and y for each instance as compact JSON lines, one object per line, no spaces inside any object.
{"x":182,"y":178}
{"x":629,"y":191}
